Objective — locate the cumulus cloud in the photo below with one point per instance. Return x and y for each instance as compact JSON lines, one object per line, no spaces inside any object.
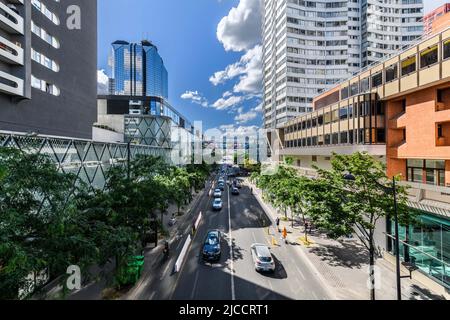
{"x":195,"y":97}
{"x":226,"y":103}
{"x":248,"y":69}
{"x":241,"y":28}
{"x":245,"y":117}
{"x":102,"y":82}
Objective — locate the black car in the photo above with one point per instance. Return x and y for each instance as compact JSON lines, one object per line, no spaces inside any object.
{"x":211,"y":247}
{"x":235,"y":191}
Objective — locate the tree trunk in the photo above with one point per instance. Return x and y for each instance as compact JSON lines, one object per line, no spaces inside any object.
{"x":306,"y":227}
{"x":372,"y":268}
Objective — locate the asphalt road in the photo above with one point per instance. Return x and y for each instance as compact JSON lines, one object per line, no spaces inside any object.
{"x":243,"y":222}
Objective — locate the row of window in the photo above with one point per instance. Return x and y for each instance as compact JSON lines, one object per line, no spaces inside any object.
{"x":44,"y":86}
{"x":43,"y":8}
{"x":44,"y":35}
{"x":44,"y":60}
{"x":362,"y":109}
{"x":360,"y":136}
{"x":426,"y":171}
{"x":428,"y":57}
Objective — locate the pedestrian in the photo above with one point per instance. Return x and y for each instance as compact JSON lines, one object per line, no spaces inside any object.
{"x":278,"y":223}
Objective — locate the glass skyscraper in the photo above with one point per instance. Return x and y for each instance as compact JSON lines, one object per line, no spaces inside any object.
{"x":137,"y":69}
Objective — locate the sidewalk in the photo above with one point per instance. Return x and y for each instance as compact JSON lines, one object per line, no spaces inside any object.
{"x":96,"y":289}
{"x":343,"y":264}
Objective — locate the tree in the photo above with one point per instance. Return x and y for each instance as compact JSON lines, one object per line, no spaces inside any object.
{"x":342,"y":206}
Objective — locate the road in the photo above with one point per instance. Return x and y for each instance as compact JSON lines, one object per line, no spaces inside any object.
{"x":243,"y":222}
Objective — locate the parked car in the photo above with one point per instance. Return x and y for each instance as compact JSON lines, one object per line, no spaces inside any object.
{"x":217,"y":193}
{"x":222,"y":186}
{"x":211,"y":247}
{"x":235,"y":191}
{"x":217,"y":204}
{"x":262,"y":258}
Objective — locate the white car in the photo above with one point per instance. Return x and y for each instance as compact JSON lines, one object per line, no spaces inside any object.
{"x":262,"y":258}
{"x":217,"y":193}
{"x":217,"y":204}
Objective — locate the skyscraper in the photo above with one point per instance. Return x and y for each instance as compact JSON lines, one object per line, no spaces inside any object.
{"x":48,"y":68}
{"x":310,"y":46}
{"x":137,"y":70}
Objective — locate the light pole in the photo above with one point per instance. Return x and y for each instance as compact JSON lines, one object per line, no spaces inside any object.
{"x":392,"y":190}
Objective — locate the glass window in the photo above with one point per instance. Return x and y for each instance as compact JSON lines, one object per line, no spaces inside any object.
{"x":408,"y":65}
{"x":377,"y":79}
{"x":391,"y":72}
{"x":343,"y":113}
{"x":429,"y":57}
{"x":344,"y":93}
{"x":354,"y":89}
{"x":365,"y":85}
{"x":446,"y":49}
{"x":417,"y":175}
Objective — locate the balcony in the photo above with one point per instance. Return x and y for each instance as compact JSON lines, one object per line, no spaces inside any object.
{"x":10,"y":52}
{"x":10,"y":20}
{"x":11,"y":85}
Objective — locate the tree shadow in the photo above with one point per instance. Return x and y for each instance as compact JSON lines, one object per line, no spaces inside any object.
{"x":349,"y":255}
{"x":419,"y":291}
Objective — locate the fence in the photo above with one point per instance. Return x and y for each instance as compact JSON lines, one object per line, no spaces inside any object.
{"x":88,"y":160}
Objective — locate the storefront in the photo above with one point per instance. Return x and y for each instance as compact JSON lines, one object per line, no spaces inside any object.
{"x":426,"y":245}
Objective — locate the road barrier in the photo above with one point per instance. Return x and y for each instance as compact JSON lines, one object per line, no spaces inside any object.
{"x":182,"y":254}
{"x":198,"y":220}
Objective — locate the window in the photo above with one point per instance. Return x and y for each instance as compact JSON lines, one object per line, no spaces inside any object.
{"x":344,"y":93}
{"x":365,"y":85}
{"x":44,"y":86}
{"x":354,"y":89}
{"x":446,"y":49}
{"x":377,"y":79}
{"x":408,"y":65}
{"x":429,"y":57}
{"x":343,"y":113}
{"x":391,"y":72}
{"x":426,"y":171}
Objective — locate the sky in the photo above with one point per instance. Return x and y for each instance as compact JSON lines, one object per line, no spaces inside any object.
{"x":211,"y":49}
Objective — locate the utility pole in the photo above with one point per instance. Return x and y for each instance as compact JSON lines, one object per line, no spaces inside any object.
{"x":397,"y":243}
{"x":128,"y":159}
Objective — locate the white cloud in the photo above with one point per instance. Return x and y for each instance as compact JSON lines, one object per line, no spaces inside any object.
{"x":259,"y":108}
{"x":248,"y":69}
{"x":245,"y":117}
{"x":226,"y":103}
{"x":195,"y":97}
{"x":102,"y":82}
{"x":241,"y":28}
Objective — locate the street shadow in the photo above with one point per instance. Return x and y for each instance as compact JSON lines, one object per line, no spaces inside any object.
{"x":417,"y":292}
{"x":279,"y":273}
{"x":349,"y":255}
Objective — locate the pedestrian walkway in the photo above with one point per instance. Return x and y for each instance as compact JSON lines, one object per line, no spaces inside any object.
{"x":343,"y":264}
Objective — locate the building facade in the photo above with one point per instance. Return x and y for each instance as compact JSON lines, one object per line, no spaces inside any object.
{"x":435,"y":16}
{"x":48,"y":80}
{"x":137,"y":69}
{"x":399,"y":112}
{"x":310,"y":46}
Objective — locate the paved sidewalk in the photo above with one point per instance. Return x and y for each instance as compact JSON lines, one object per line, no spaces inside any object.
{"x":343,"y":264}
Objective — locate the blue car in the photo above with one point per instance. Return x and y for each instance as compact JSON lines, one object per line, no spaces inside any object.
{"x":211,"y":247}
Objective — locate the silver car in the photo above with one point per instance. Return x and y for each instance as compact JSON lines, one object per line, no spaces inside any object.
{"x":217,"y":193}
{"x":262,"y":258}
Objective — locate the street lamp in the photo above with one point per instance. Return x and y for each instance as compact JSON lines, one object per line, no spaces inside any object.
{"x":393,"y":190}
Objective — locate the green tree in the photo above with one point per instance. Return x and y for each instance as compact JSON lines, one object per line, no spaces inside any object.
{"x":342,"y":206}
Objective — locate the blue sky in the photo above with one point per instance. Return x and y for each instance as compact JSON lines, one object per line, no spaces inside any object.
{"x":186,"y":37}
{"x":210,"y":48}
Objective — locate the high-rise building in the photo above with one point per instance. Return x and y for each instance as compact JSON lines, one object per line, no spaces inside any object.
{"x":48,"y":67}
{"x":310,"y":46}
{"x":438,"y":16}
{"x":137,"y":70}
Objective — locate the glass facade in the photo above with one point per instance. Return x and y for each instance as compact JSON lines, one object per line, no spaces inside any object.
{"x":426,"y":245}
{"x":138,"y":70}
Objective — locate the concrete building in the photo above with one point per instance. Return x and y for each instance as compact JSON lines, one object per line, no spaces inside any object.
{"x":309,"y":46}
{"x":399,"y":112}
{"x":48,"y":71}
{"x":436,"y":17}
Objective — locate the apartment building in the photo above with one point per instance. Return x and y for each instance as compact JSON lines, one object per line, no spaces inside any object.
{"x":310,"y":46}
{"x":399,"y":112}
{"x":436,"y":17}
{"x":48,"y":66}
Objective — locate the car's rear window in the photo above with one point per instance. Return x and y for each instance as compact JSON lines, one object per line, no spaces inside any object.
{"x":212,"y":240}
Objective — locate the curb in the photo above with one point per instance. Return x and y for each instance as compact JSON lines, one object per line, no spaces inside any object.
{"x":304,"y":256}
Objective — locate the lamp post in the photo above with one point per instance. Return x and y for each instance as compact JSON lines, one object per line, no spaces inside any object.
{"x":392,"y":190}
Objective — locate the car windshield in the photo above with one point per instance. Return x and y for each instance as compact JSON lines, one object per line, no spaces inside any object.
{"x":212,"y":240}
{"x":217,"y":201}
{"x":217,"y":190}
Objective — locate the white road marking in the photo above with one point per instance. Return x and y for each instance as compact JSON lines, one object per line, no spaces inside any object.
{"x":195,"y":285}
{"x":152,"y":295}
{"x":164,"y":272}
{"x":300,"y":271}
{"x":233,"y":295}
{"x":254,"y":237}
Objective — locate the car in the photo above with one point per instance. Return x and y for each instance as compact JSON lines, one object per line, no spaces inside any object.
{"x":235,"y":191}
{"x":217,"y":204}
{"x":217,"y":193}
{"x":262,"y":258}
{"x":221,"y":180}
{"x":221,"y":186}
{"x":237,"y":184}
{"x":211,"y":247}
